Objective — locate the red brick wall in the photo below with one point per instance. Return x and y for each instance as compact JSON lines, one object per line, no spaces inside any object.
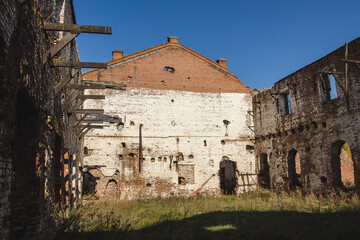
{"x":192,"y":72}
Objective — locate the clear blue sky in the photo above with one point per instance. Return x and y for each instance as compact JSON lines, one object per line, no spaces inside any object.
{"x":263,"y":41}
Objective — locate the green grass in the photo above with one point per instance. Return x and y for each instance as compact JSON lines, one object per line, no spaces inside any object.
{"x":258,"y":215}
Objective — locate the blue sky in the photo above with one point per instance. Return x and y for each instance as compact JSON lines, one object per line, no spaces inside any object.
{"x":263,"y":40}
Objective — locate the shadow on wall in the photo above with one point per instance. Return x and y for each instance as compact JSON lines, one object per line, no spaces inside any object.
{"x":242,"y":225}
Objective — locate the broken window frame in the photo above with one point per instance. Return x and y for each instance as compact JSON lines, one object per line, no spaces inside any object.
{"x":285,"y":104}
{"x":327,"y":87}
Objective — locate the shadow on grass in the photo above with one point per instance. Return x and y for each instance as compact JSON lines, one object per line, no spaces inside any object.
{"x":243,"y":225}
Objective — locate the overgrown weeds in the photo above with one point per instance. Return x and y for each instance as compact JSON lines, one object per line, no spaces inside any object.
{"x":222,"y":214}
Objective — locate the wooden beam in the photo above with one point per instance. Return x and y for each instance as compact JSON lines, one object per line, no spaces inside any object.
{"x":107,"y":84}
{"x":79,"y":64}
{"x":350,"y":61}
{"x":58,"y":47}
{"x":92,"y":86}
{"x":82,"y":134}
{"x":346,"y":66}
{"x":90,"y":111}
{"x":92,"y":121}
{"x":76,"y":106}
{"x":71,"y":98}
{"x":94,"y":126}
{"x":81,"y":119}
{"x":76,"y":28}
{"x":67,"y":79}
{"x":84,"y":97}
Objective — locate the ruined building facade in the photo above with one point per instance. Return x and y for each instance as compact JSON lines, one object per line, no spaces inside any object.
{"x":181,"y":127}
{"x":39,"y":155}
{"x":307,"y":126}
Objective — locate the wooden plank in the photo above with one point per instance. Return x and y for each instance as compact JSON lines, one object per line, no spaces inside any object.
{"x":67,"y":79}
{"x":58,"y":47}
{"x":90,"y":111}
{"x":71,"y":98}
{"x":79,"y":64}
{"x":84,"y":97}
{"x":76,"y":28}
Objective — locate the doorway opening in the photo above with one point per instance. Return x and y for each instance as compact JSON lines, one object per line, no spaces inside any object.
{"x":264,"y":173}
{"x":294,"y":170}
{"x":228,"y":179}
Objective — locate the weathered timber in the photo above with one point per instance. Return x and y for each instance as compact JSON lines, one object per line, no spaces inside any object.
{"x":90,"y":111}
{"x":94,"y":126}
{"x":65,"y":80}
{"x":82,"y":134}
{"x":58,"y":47}
{"x":76,"y":106}
{"x":71,"y":98}
{"x":76,"y":28}
{"x":350,"y":61}
{"x":79,"y":64}
{"x":84,"y":97}
{"x":346,"y":67}
{"x":93,"y":86}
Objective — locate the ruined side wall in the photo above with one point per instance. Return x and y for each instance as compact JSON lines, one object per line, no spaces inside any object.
{"x":183,"y":135}
{"x":313,"y":125}
{"x":32,"y":128}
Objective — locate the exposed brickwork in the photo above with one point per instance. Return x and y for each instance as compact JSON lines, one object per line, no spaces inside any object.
{"x":317,"y":126}
{"x":33,"y":136}
{"x":191,"y":71}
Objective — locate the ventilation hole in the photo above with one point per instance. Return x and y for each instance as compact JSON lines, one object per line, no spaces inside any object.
{"x":123,"y":144}
{"x":222,"y":142}
{"x":152,"y":159}
{"x":121,"y":157}
{"x":148,"y":184}
{"x":323,"y":179}
{"x":307,"y":127}
{"x":293,"y":131}
{"x":324,"y":124}
{"x":205,"y":144}
{"x":191,"y":156}
{"x":301,"y":128}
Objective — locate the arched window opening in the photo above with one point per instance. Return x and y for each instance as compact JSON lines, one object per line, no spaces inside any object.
{"x":112,"y":189}
{"x":294,"y":170}
{"x":89,"y":184}
{"x":264,"y":173}
{"x":342,"y":166}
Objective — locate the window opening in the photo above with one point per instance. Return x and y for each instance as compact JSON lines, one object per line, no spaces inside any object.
{"x":285,"y":104}
{"x":169,"y":69}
